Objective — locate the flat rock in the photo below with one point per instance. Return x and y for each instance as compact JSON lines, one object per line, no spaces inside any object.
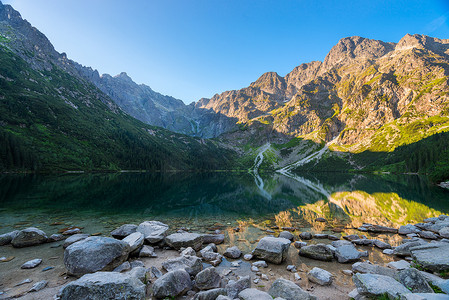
{"x":153,"y":231}
{"x":346,"y":252}
{"x":363,"y":242}
{"x":428,"y":235}
{"x":172,"y":284}
{"x":191,"y":264}
{"x":444,"y":232}
{"x":38,"y":286}
{"x":372,"y":285}
{"x":29,"y":237}
{"x":382,"y":229}
{"x":286,"y":235}
{"x":351,"y":237}
{"x":433,"y":256}
{"x":414,"y":281}
{"x":184,"y":240}
{"x":305,"y":236}
{"x":104,"y":285}
{"x":404,"y":249}
{"x":213,"y":238}
{"x":381,"y":245}
{"x":6,"y":238}
{"x":320,"y":236}
{"x":31,"y":264}
{"x":254,"y":294}
{"x":210,"y":294}
{"x":233,"y":252}
{"x":207,"y":279}
{"x":260,"y":264}
{"x":399,"y":265}
{"x":247,"y":256}
{"x":233,"y":288}
{"x":221,"y":297}
{"x":74,"y":238}
{"x":407,"y":229}
{"x":123,"y":231}
{"x":320,"y":276}
{"x":134,"y":240}
{"x":56,"y":237}
{"x":367,"y":268}
{"x":147,"y":251}
{"x":95,"y":254}
{"x":288,"y":290}
{"x":272,"y":249}
{"x":318,"y":251}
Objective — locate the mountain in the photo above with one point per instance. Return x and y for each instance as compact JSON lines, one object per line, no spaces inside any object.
{"x":53,"y":119}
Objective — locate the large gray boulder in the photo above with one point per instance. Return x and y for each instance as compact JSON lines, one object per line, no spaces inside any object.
{"x":433,"y":256}
{"x":233,"y":252}
{"x":153,"y":231}
{"x":414,"y":281}
{"x":365,"y":267}
{"x":318,"y":251}
{"x":233,"y":288}
{"x":272,"y":249}
{"x":95,"y":254}
{"x":444,"y":232}
{"x":207,"y":279}
{"x":74,"y":238}
{"x":372,"y":285}
{"x":288,"y":290}
{"x":404,"y":249}
{"x":213,"y":238}
{"x":104,"y":285}
{"x":191,"y":264}
{"x":6,"y":238}
{"x":172,"y":284}
{"x":346,"y":252}
{"x":210,"y":294}
{"x":320,"y":276}
{"x":407,"y":229}
{"x":254,"y":294}
{"x":29,"y":237}
{"x":184,"y":240}
{"x":134,"y":240}
{"x":123,"y":231}
{"x":424,"y":296}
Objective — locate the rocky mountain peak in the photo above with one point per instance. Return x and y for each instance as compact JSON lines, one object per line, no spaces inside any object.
{"x":355,"y":48}
{"x":270,"y":82}
{"x":123,"y":76}
{"x":7,"y":13}
{"x":440,"y":46}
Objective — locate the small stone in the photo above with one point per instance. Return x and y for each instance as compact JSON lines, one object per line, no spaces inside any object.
{"x":320,"y":219}
{"x":24,"y":282}
{"x":235,"y":265}
{"x":399,"y":265}
{"x":320,"y":276}
{"x":254,"y":294}
{"x":226,"y":272}
{"x":134,"y":240}
{"x":153,"y":231}
{"x":207,"y":279}
{"x":123,"y":267}
{"x":233,"y":288}
{"x":247,"y":256}
{"x":254,"y":269}
{"x":264,"y":277}
{"x":31,"y":264}
{"x":124,"y":230}
{"x":305,"y":236}
{"x":291,"y":268}
{"x":297,"y":277}
{"x":260,"y":264}
{"x":29,"y":237}
{"x":299,"y":245}
{"x":38,"y":286}
{"x":148,"y":251}
{"x":256,"y":280}
{"x":388,"y":251}
{"x":428,"y":235}
{"x":233,"y":252}
{"x":318,"y":251}
{"x":351,"y":237}
{"x":55,"y":238}
{"x":381,"y":245}
{"x":137,"y":264}
{"x":47,"y":269}
{"x":347,"y":272}
{"x":72,"y":231}
{"x":155,"y":273}
{"x":320,"y":236}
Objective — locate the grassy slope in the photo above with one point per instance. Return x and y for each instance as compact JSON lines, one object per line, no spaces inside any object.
{"x":50,"y":120}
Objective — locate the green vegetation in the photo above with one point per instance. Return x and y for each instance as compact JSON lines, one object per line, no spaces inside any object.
{"x":53,"y":121}
{"x":436,"y":289}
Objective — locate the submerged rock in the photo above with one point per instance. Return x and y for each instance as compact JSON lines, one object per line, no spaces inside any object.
{"x":272,"y":249}
{"x":31,"y":264}
{"x":184,"y":240}
{"x":318,"y":251}
{"x":95,"y":254}
{"x":124,"y":230}
{"x":213,"y":238}
{"x":172,"y":284}
{"x":104,"y":285}
{"x":153,"y":231}
{"x":29,"y":237}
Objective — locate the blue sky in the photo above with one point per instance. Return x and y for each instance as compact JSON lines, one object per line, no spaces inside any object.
{"x":191,"y":49}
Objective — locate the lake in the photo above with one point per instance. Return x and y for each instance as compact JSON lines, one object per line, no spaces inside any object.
{"x":209,"y":201}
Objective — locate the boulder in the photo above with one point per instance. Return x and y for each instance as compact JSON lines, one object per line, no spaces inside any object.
{"x":367,"y":268}
{"x":424,"y":296}
{"x":56,"y":237}
{"x":254,"y":294}
{"x":213,"y":238}
{"x":221,"y":297}
{"x":428,"y":235}
{"x":382,"y":229}
{"x":346,"y":252}
{"x":433,"y":256}
{"x":207,"y":279}
{"x":404,"y":249}
{"x":443,"y":284}
{"x":29,"y":237}
{"x":399,"y":265}
{"x":288,"y":290}
{"x":74,"y":238}
{"x":444,"y":232}
{"x":153,"y":231}
{"x":299,"y":245}
{"x":136,"y":264}
{"x":320,"y":276}
{"x":126,"y":266}
{"x":6,"y":238}
{"x":233,"y":252}
{"x":305,"y":236}
{"x":172,"y":284}
{"x":286,"y":235}
{"x":233,"y":288}
{"x":134,"y":240}
{"x":123,"y":231}
{"x":210,"y":294}
{"x":138,"y":272}
{"x":414,"y":281}
{"x":272,"y":249}
{"x":154,"y":272}
{"x":381,"y":245}
{"x":191,"y":264}
{"x":184,"y":240}
{"x":374,"y":285}
{"x":147,"y":251}
{"x":190,"y":252}
{"x":363,"y":242}
{"x":31,"y":264}
{"x":104,"y":285}
{"x":351,"y":237}
{"x":318,"y":251}
{"x":95,"y":254}
{"x":407,"y":229}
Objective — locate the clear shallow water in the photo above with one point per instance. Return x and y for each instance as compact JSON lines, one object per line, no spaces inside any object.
{"x":208,"y":201}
